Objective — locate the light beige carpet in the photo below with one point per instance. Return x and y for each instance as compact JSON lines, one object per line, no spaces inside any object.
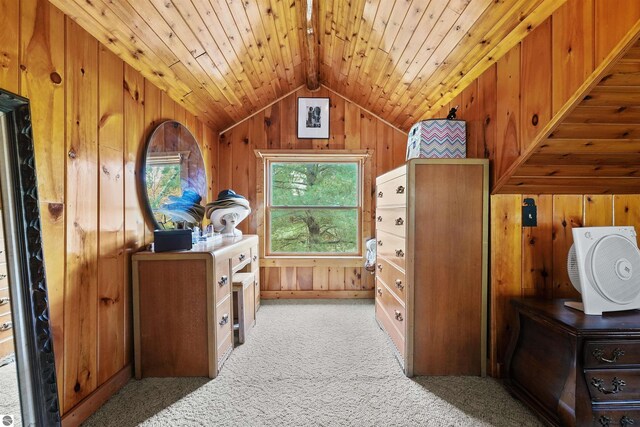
{"x":314,"y":363}
{"x":9,"y":395}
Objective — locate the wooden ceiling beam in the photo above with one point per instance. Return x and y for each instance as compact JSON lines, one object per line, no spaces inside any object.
{"x":310,"y":19}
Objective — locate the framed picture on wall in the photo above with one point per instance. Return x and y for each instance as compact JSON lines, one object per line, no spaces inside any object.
{"x":313,"y":118}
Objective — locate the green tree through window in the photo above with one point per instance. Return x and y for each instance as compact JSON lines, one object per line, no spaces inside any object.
{"x":163,"y":180}
{"x":314,"y":207}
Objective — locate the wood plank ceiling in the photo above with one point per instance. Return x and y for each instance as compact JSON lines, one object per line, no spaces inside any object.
{"x":596,"y":147}
{"x":225,"y":59}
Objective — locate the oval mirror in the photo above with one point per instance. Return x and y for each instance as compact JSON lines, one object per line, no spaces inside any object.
{"x":175,"y":179}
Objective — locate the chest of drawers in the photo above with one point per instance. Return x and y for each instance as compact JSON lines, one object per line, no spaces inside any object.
{"x":573,"y":369}
{"x":183,"y":319}
{"x":431,"y":232}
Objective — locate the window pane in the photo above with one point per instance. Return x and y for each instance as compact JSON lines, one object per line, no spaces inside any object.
{"x":314,"y":230}
{"x":162,"y":181}
{"x":314,"y":184}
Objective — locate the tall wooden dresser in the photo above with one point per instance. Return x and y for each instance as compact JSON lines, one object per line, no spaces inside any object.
{"x":182,"y":306}
{"x":431,"y":275}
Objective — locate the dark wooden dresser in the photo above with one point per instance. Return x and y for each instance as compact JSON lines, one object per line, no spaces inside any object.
{"x":573,"y":369}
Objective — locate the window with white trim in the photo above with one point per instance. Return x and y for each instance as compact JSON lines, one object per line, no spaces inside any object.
{"x":313,"y":204}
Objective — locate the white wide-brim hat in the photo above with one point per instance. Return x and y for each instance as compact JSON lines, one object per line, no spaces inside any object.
{"x":216,"y":215}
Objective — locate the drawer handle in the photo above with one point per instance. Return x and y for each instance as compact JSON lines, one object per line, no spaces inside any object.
{"x":399,"y":253}
{"x":399,"y":316}
{"x":3,"y":276}
{"x":626,"y":421}
{"x":4,"y":300}
{"x":224,"y":320}
{"x":399,"y":221}
{"x":379,"y":242}
{"x":599,"y":355}
{"x":6,"y":326}
{"x":379,"y":219}
{"x":616,"y":383}
{"x":379,"y":291}
{"x":242,"y":257}
{"x":223,"y":281}
{"x":400,"y":189}
{"x":399,"y":284}
{"x":255,"y":258}
{"x":380,"y":194}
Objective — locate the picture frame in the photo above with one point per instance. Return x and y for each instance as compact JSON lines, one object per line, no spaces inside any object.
{"x":313,"y":118}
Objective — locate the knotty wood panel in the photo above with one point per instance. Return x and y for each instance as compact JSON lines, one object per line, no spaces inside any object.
{"x":487,"y":100}
{"x":275,"y":127}
{"x":134,"y":131}
{"x":572,"y":48}
{"x":471,"y":113}
{"x":111,"y":286}
{"x":152,"y":118}
{"x":567,"y":213}
{"x":508,"y":112}
{"x":81,"y":288}
{"x":598,"y":210}
{"x":535,"y":82}
{"x":89,"y":132}
{"x":42,"y":80}
{"x":624,"y":15}
{"x":537,"y":244}
{"x":9,"y":45}
{"x":626,"y":210}
{"x":506,"y":272}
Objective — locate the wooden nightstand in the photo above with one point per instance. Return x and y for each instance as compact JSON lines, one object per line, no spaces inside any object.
{"x":573,"y":369}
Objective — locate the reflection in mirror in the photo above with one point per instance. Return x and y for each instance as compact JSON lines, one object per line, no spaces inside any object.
{"x":22,"y":265}
{"x":175,"y":179}
{"x":9,"y":393}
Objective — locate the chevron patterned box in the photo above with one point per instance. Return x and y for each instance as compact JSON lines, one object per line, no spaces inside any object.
{"x":438,"y":139}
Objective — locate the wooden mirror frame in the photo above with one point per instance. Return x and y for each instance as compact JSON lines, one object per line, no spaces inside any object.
{"x":142,"y":181}
{"x":33,"y":340}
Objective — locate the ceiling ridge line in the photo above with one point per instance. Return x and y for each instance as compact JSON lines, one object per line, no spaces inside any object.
{"x":304,"y":86}
{"x":365,"y":109}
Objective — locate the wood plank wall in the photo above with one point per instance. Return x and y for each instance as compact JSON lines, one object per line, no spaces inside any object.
{"x":351,"y":128}
{"x":505,"y":109}
{"x":537,"y":77}
{"x":91,"y":117}
{"x":532,"y":261}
